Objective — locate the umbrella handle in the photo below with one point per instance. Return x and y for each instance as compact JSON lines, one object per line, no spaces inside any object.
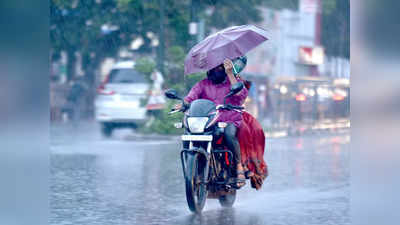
{"x":234,"y":69}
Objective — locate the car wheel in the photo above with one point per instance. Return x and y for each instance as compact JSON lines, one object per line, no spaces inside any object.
{"x":106,"y":129}
{"x":133,"y":126}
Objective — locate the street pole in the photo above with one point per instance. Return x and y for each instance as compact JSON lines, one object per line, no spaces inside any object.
{"x":193,"y":24}
{"x":317,"y":33}
{"x":161,"y":38}
{"x":318,"y":23}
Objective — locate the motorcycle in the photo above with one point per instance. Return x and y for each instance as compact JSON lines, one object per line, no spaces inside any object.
{"x":208,"y":165}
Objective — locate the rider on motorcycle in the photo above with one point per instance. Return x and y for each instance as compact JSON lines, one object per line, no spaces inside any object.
{"x":214,"y":88}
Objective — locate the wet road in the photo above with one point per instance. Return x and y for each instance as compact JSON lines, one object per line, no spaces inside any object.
{"x":119,"y":181}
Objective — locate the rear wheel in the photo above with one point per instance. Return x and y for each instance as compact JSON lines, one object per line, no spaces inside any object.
{"x":133,"y":126}
{"x":196,"y":190}
{"x":228,"y":199}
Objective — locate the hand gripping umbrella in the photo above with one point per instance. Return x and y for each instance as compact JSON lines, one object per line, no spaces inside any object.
{"x":231,"y":42}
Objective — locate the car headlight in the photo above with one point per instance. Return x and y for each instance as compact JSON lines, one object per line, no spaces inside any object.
{"x":197,"y":124}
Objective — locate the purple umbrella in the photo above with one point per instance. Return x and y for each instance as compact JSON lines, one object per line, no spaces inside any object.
{"x":230,"y":42}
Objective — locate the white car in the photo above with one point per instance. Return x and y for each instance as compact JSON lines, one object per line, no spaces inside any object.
{"x":121,"y":98}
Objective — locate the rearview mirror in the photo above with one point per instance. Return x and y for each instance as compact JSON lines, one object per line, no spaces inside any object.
{"x":236,"y":88}
{"x":172,"y":94}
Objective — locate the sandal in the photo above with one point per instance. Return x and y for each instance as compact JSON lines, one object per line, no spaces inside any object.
{"x":240,"y":182}
{"x":248,"y":174}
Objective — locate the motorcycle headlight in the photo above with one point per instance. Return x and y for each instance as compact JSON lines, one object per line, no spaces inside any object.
{"x":197,"y":124}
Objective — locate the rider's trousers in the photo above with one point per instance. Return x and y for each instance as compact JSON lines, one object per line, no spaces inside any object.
{"x":232,"y":141}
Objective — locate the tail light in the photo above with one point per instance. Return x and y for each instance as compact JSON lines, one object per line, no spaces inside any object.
{"x":300,"y":97}
{"x":102,"y":89}
{"x":337,"y":97}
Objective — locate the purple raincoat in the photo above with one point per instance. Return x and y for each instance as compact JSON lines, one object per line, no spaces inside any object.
{"x":205,"y":89}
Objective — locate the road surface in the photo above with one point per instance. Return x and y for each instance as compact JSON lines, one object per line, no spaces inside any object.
{"x":125,"y":180}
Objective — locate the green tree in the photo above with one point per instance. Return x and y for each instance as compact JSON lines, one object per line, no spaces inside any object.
{"x":76,"y":26}
{"x":281,"y":4}
{"x":227,"y":13}
{"x":100,"y":28}
{"x":336,"y":27}
{"x":146,"y":66}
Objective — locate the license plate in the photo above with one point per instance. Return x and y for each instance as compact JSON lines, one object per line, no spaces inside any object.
{"x":197,"y":137}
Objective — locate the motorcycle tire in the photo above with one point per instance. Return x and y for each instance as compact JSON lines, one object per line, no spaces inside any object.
{"x":196,"y":192}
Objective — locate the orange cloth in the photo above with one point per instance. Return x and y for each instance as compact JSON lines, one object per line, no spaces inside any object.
{"x":252,"y":144}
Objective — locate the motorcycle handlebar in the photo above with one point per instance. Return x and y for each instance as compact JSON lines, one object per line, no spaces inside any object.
{"x":227,"y":107}
{"x":235,"y":107}
{"x":173,"y":111}
{"x":230,"y":107}
{"x":182,"y":109}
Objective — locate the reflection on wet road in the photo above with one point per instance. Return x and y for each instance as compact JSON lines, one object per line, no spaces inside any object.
{"x":98,"y":181}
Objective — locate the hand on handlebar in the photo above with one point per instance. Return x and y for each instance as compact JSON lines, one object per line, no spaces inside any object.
{"x":178,"y":106}
{"x":173,"y":111}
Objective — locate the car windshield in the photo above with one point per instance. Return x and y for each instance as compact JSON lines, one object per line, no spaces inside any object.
{"x":126,"y":76}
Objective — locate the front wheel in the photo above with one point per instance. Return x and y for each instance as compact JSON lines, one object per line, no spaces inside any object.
{"x":228,"y":199}
{"x":196,"y":190}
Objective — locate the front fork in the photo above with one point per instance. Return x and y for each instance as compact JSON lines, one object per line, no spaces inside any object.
{"x":203,"y":153}
{"x":207,"y":156}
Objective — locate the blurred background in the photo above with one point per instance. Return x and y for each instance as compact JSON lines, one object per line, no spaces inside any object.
{"x":111,"y":60}
{"x":25,"y":103}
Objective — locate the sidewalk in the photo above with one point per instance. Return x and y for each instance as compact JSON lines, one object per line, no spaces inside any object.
{"x":324,"y":126}
{"x":91,"y":129}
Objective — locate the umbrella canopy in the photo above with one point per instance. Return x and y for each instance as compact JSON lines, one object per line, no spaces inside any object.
{"x":230,"y":42}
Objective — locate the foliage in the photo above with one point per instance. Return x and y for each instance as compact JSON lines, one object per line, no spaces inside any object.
{"x":227,"y":13}
{"x":328,"y":6}
{"x":76,"y":26}
{"x":336,"y":27}
{"x":176,"y":54}
{"x":164,"y":123}
{"x":146,"y":66}
{"x":100,"y":28}
{"x":175,"y":68}
{"x":192,"y":79}
{"x":281,"y":4}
